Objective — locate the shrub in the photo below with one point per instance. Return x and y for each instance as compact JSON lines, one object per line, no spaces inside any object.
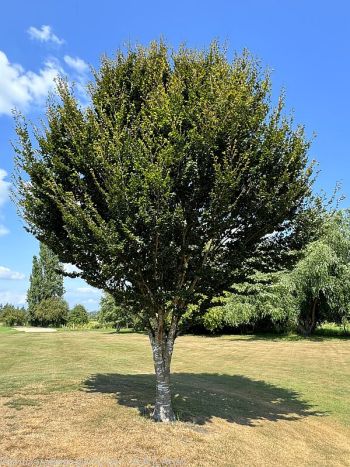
{"x":94,"y":324}
{"x":78,"y":315}
{"x":51,"y":312}
{"x":115,"y":316}
{"x":90,"y":325}
{"x":13,"y":316}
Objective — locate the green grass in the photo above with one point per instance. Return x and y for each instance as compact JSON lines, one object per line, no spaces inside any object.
{"x":224,"y":384}
{"x":6,"y":330}
{"x":20,"y":402}
{"x":41,"y":363}
{"x":317,"y":369}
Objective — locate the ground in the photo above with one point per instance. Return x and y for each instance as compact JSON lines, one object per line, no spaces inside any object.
{"x":84,"y":398}
{"x":34,"y":329}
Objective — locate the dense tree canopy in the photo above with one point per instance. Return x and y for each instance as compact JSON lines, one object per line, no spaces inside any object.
{"x":51,"y":312}
{"x":261,"y":298}
{"x":113,"y":315}
{"x":177,"y":174}
{"x":78,"y":315}
{"x":12,"y":316}
{"x":321,"y":280}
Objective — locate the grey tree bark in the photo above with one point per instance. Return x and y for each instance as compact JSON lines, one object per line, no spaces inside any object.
{"x":162,"y":349}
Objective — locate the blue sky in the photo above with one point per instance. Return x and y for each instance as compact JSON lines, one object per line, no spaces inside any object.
{"x":305,"y":42}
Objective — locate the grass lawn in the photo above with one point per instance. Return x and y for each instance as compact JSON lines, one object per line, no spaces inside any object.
{"x":4,"y":329}
{"x":246,"y":401}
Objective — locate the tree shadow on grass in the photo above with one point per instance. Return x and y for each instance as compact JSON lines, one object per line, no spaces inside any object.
{"x":319,"y":335}
{"x":200,"y":397}
{"x":275,"y":338}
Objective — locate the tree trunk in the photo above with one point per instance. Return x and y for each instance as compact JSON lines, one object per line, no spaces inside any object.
{"x":162,"y":349}
{"x":307,"y":326}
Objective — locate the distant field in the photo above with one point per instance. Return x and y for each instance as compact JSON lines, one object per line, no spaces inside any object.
{"x":239,"y":400}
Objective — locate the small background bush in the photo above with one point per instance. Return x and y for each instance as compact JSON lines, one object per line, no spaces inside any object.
{"x":13,"y":316}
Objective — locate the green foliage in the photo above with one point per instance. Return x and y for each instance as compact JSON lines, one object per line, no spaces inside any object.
{"x":113,"y":315}
{"x":78,"y":315}
{"x":93,"y":324}
{"x":317,"y":289}
{"x":46,"y":280}
{"x":175,"y":176}
{"x":51,"y":312}
{"x":321,"y":280}
{"x":12,"y":316}
{"x":89,"y":326}
{"x":34,"y":293}
{"x":264,"y":297}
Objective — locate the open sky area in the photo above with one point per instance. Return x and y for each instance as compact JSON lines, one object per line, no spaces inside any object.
{"x":306,"y":44}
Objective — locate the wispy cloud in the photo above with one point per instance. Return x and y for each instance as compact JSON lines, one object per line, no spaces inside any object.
{"x":87,"y":290}
{"x":80,"y":72}
{"x":3,"y":230}
{"x":8,"y":274}
{"x":76,"y":64}
{"x":4,"y":195}
{"x":4,"y":187}
{"x":44,"y":34}
{"x":86,"y":295}
{"x":20,"y":88}
{"x":15,"y":298}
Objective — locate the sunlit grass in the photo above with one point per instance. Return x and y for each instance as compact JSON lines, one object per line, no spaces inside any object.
{"x":6,"y":330}
{"x":242,"y":400}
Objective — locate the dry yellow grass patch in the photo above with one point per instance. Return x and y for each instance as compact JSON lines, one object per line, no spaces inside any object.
{"x":95,"y":430}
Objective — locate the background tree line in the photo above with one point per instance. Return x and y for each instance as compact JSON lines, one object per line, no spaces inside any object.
{"x":45,"y":297}
{"x":315,"y":290}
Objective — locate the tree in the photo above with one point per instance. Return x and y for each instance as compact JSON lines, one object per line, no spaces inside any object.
{"x":78,"y":315}
{"x":34,"y":293}
{"x":51,"y":312}
{"x":263,"y":297}
{"x":321,"y":279}
{"x":12,"y":316}
{"x":46,"y":280}
{"x":175,"y":176}
{"x":113,"y":315}
{"x":316,"y":290}
{"x":52,"y":273}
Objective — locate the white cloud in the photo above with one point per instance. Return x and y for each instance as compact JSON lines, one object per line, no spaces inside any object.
{"x":6,"y":273}
{"x":87,"y":290}
{"x":14,"y":298}
{"x":77,"y":64}
{"x":4,"y":194}
{"x":20,"y":88}
{"x":4,"y":187}
{"x":44,"y":34}
{"x":88,"y":296}
{"x":70,"y":268}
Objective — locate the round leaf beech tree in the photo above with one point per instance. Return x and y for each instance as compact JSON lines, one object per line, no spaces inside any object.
{"x":166,"y":185}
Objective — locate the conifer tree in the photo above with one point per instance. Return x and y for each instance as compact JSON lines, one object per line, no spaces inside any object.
{"x":52,"y":285}
{"x":34,"y":293}
{"x":46,"y":280}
